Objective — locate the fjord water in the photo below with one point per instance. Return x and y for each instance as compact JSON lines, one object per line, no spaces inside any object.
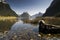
{"x":25,"y":31}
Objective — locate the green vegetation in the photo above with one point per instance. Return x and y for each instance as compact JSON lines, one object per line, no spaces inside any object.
{"x":6,"y":23}
{"x":7,"y":17}
{"x":48,"y":20}
{"x":52,"y":20}
{"x":5,"y":10}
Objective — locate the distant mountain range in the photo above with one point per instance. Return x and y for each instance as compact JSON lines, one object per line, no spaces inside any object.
{"x":53,"y":9}
{"x":37,"y":15}
{"x":5,"y":10}
{"x":24,"y":16}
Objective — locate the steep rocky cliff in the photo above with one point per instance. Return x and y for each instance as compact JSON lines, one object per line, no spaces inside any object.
{"x":53,"y":9}
{"x":5,"y":10}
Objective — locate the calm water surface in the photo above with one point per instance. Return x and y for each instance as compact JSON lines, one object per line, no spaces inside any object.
{"x":25,"y":31}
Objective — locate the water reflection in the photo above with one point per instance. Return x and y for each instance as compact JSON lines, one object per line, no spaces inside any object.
{"x":23,"y":30}
{"x":21,"y":25}
{"x":26,"y":31}
{"x":5,"y":25}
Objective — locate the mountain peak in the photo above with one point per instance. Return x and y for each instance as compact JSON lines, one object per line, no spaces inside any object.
{"x":3,"y":1}
{"x":37,"y":15}
{"x":53,"y":9}
{"x":5,"y":10}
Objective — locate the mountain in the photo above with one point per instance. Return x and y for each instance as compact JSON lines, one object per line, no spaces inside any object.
{"x":36,"y":15}
{"x":5,"y":10}
{"x":53,"y":9}
{"x":24,"y":16}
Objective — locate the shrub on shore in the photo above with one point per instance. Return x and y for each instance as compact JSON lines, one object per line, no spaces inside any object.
{"x":48,"y":20}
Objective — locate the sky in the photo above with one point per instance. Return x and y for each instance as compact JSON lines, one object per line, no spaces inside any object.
{"x":31,"y":6}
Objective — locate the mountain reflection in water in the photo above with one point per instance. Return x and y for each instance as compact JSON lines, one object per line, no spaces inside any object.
{"x":26,"y":31}
{"x":23,"y":30}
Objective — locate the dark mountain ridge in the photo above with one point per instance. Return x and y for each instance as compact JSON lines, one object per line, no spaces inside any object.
{"x":53,"y":9}
{"x":37,"y":15}
{"x":5,"y":10}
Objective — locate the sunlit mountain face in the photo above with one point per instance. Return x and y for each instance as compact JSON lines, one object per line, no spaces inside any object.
{"x":30,"y":6}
